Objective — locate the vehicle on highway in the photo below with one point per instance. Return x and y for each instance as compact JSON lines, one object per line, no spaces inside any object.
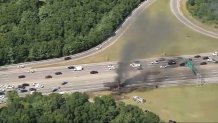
{"x":2,"y":90}
{"x":64,"y":83}
{"x":31,"y":71}
{"x":215,"y":54}
{"x":216,"y":62}
{"x":55,"y":89}
{"x":210,"y":59}
{"x":32,"y":89}
{"x":21,"y":66}
{"x":111,"y":67}
{"x":197,"y":56}
{"x":2,"y":97}
{"x":58,"y":73}
{"x":78,"y":68}
{"x":25,"y":84}
{"x":37,"y":85}
{"x":136,"y":65}
{"x":9,"y":86}
{"x":93,"y":72}
{"x":67,"y":58}
{"x":48,"y":76}
{"x":182,"y":64}
{"x":161,"y":59}
{"x":71,"y":67}
{"x":164,"y":66}
{"x":20,"y":87}
{"x":205,"y":57}
{"x":155,"y":62}
{"x":171,"y":62}
{"x":203,"y":63}
{"x":22,"y":90}
{"x":2,"y":93}
{"x":21,"y":76}
{"x":98,"y":47}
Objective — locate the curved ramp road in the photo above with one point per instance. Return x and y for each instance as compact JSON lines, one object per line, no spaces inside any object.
{"x":123,"y":28}
{"x":175,"y":8}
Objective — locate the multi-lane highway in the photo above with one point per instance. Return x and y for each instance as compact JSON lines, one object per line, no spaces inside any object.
{"x":175,"y":8}
{"x":151,"y":74}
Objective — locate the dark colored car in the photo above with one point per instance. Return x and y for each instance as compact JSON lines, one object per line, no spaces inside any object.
{"x":48,"y":76}
{"x":171,"y":62}
{"x":203,"y":63}
{"x":32,"y":89}
{"x":55,"y":89}
{"x":205,"y":58}
{"x":94,"y":72}
{"x":71,"y":67}
{"x":23,"y":90}
{"x":182,"y":64}
{"x":67,"y":58}
{"x":64,"y":83}
{"x":58,"y":73}
{"x":172,"y":121}
{"x":21,"y":76}
{"x":197,"y":56}
{"x":21,"y":87}
{"x":216,"y":62}
{"x":25,"y":84}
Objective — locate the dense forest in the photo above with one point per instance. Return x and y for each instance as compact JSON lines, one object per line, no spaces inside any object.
{"x":71,"y":108}
{"x":205,"y":10}
{"x":42,"y":29}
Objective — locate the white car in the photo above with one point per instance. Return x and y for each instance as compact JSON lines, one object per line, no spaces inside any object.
{"x":21,"y":66}
{"x":215,"y":54}
{"x":111,"y":67}
{"x":9,"y":86}
{"x":2,"y":90}
{"x":98,"y":48}
{"x":31,"y":71}
{"x":164,"y":66}
{"x":210,"y":60}
{"x":2,"y":97}
{"x":155,"y":62}
{"x":37,"y":85}
{"x":135,"y":65}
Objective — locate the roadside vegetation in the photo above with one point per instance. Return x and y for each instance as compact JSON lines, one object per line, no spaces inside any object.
{"x":71,"y":108}
{"x":38,"y":29}
{"x":205,"y":10}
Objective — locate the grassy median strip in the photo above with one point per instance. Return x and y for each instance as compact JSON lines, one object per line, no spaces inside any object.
{"x":182,"y":39}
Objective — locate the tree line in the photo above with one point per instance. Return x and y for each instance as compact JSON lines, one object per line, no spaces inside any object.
{"x":71,"y":108}
{"x":205,"y":10}
{"x":42,"y":29}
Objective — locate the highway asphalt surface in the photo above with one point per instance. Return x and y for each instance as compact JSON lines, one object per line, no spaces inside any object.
{"x":151,"y":75}
{"x":118,"y":33}
{"x":175,"y":8}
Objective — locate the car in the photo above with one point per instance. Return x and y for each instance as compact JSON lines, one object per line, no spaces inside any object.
{"x":111,"y":67}
{"x":78,"y":68}
{"x":2,"y":90}
{"x":155,"y":62}
{"x":2,"y":97}
{"x":21,"y":66}
{"x":25,"y":84}
{"x":67,"y":58}
{"x":182,"y":64}
{"x":203,"y":63}
{"x":64,"y":83}
{"x":48,"y":76}
{"x":197,"y":56}
{"x":58,"y":73}
{"x":39,"y":85}
{"x":205,"y":57}
{"x":171,"y":62}
{"x":55,"y":89}
{"x":216,"y":62}
{"x":71,"y":67}
{"x":93,"y":72}
{"x":23,"y":90}
{"x":21,"y":76}
{"x":31,"y":71}
{"x":210,"y":59}
{"x":164,"y":66}
{"x":136,"y":65}
{"x":215,"y":53}
{"x":20,"y":87}
{"x":32,"y":89}
{"x":9,"y":86}
{"x":98,"y":47}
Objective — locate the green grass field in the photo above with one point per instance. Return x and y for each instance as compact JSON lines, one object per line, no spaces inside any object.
{"x":183,"y":104}
{"x":155,"y":32}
